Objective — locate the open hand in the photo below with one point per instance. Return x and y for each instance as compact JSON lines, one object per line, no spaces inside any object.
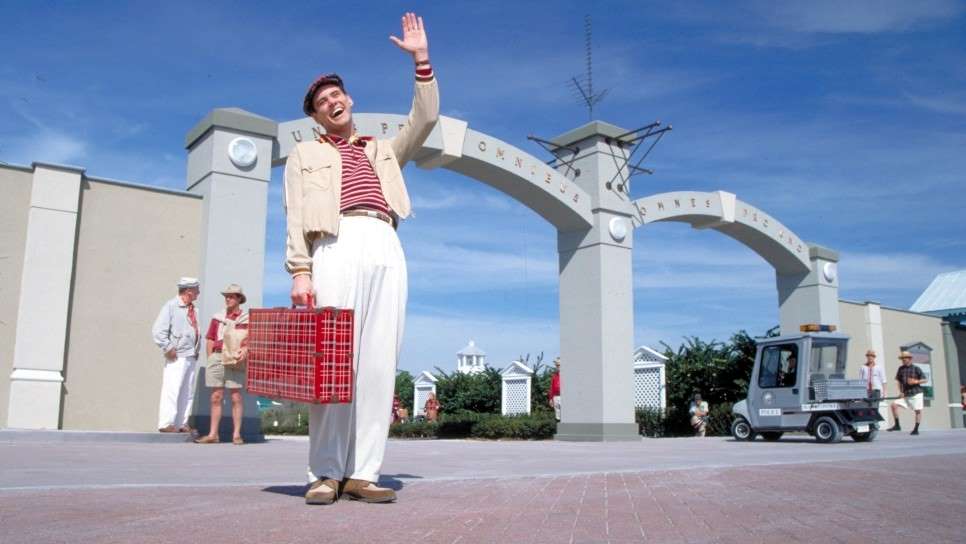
{"x":414,"y":39}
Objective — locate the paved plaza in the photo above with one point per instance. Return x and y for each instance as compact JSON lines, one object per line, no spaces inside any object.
{"x":63,"y":488}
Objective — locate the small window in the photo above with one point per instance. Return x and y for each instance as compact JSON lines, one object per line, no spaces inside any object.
{"x":779,"y":366}
{"x":827,"y":359}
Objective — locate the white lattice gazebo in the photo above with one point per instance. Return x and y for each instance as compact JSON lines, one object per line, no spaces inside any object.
{"x":517,"y":379}
{"x":649,"y":379}
{"x":423,"y":385}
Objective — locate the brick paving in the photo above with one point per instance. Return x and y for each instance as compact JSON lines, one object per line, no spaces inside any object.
{"x":909,"y":497}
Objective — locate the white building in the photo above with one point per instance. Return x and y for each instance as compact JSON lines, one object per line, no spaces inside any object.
{"x":517,"y":378}
{"x":650,"y":381}
{"x":471,"y":359}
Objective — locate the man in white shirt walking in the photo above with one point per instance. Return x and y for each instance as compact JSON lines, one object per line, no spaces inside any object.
{"x":874,"y":376}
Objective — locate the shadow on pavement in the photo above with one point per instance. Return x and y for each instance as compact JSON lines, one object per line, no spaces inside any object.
{"x":290,"y":490}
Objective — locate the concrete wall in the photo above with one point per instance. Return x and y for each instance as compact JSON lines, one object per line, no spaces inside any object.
{"x":15,"y":186}
{"x":133,"y":244}
{"x":898,"y":328}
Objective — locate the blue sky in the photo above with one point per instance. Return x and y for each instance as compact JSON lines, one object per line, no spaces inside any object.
{"x":848,"y":124}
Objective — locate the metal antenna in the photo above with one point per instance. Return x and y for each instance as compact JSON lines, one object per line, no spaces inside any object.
{"x":586,"y":87}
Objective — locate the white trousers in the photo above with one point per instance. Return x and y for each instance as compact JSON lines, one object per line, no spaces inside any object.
{"x":177,"y":392}
{"x":363,"y":269}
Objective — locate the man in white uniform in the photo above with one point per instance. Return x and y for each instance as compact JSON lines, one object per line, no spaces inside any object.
{"x":175,"y":331}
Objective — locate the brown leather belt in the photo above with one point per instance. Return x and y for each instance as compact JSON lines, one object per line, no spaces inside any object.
{"x":357,"y":212}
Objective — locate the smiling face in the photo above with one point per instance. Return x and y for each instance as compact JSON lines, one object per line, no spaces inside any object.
{"x":333,"y":110}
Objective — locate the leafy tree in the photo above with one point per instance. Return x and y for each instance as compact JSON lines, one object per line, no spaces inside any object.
{"x":539,"y":385}
{"x":404,"y":388}
{"x":720,"y":371}
{"x":458,"y":392}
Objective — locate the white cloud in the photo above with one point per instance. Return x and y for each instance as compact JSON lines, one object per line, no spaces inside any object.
{"x":897,"y":271}
{"x":857,"y":16}
{"x":939,"y":104}
{"x":47,"y":145}
{"x":451,"y":268}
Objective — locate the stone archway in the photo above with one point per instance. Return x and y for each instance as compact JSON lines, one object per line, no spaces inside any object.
{"x":454,"y":146}
{"x":593,"y":218}
{"x":805,"y":274}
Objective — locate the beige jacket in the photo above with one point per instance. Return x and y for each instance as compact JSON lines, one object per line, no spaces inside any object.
{"x":313,"y":179}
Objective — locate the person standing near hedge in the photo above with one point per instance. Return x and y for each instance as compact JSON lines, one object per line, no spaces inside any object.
{"x":431,"y":408}
{"x":699,"y":415}
{"x":553,"y":394}
{"x":344,"y":196}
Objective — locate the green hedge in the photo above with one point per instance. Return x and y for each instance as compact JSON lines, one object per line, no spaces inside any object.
{"x":474,"y":425}
{"x":414,"y":429}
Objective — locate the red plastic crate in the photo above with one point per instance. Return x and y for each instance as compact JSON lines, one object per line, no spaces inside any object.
{"x":302,"y":355}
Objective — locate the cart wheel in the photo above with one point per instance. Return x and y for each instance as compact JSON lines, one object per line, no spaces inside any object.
{"x":741,"y":430}
{"x":827,"y":430}
{"x":865,"y":437}
{"x":772,"y":436}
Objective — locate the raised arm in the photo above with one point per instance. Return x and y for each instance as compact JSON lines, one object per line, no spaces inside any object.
{"x":425,"y":109}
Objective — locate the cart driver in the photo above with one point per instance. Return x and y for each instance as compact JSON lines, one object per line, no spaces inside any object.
{"x":788,"y":377}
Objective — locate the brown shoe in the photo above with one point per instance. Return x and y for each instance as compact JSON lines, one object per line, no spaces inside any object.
{"x":185,"y":429}
{"x":207,"y":440}
{"x":365,"y":491}
{"x":237,"y":441}
{"x":168,"y":429}
{"x":322,"y":491}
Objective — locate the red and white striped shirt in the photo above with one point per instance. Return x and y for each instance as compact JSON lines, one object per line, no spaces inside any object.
{"x":360,"y":186}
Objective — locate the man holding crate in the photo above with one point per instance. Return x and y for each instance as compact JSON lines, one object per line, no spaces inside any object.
{"x":344,"y":196}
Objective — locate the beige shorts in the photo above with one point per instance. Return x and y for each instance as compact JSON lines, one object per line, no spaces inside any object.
{"x":218,"y":375}
{"x":912,"y":403}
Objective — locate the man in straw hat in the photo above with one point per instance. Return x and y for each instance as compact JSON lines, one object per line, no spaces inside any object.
{"x":344,"y":196}
{"x":874,"y":376}
{"x":910,"y":377}
{"x":175,"y":331}
{"x":218,"y":376}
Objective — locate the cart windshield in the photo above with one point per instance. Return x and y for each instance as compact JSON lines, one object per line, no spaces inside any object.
{"x":827,"y":359}
{"x":779,"y":366}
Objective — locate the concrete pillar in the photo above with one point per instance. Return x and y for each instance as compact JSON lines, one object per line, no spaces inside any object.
{"x":229,"y":163}
{"x":596,"y":297}
{"x":812,"y":297}
{"x":873,"y":331}
{"x":43,"y":315}
{"x":952,"y":376}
